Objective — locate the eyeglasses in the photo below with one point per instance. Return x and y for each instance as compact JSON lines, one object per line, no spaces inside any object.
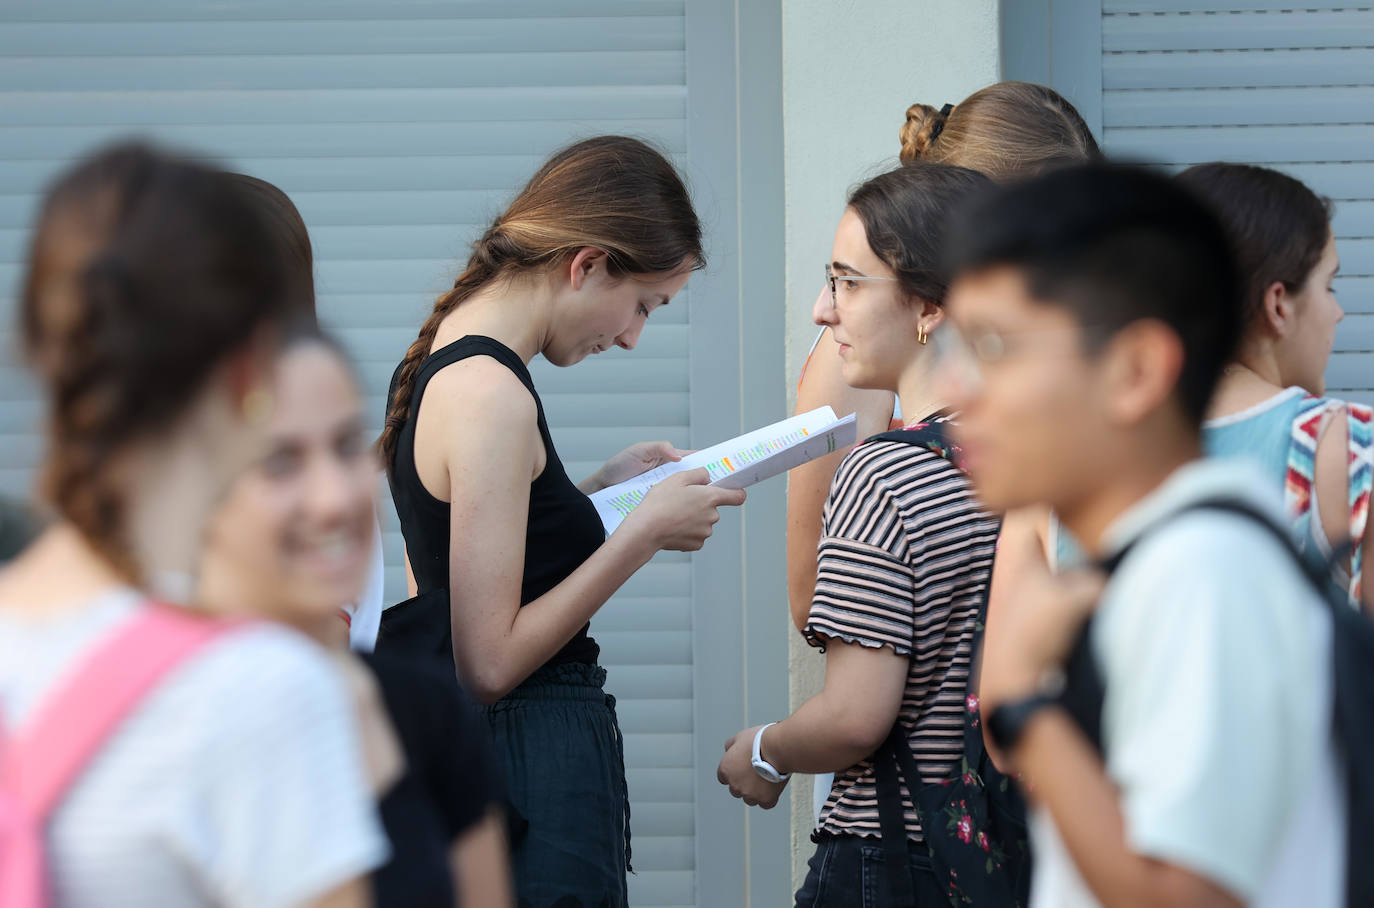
{"x":833,"y":279}
{"x":969,"y":352}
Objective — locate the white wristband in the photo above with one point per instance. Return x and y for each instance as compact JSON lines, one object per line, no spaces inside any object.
{"x":765,"y":769}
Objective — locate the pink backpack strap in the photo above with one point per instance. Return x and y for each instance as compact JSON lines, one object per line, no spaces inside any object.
{"x":42,"y":759}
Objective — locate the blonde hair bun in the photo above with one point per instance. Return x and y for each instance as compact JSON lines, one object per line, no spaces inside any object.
{"x":916,"y":131}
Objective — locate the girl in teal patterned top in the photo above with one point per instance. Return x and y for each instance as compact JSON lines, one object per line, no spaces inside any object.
{"x":1269,"y":405}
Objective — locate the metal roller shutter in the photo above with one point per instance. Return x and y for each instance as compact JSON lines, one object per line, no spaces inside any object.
{"x":1187,"y":82}
{"x":400,"y":127}
{"x":1183,"y":82}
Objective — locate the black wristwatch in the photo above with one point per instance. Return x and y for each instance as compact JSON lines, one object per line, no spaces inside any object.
{"x":1008,"y":721}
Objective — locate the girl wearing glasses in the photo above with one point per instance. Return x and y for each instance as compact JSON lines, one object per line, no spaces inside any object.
{"x":1007,"y":131}
{"x":905,"y":555}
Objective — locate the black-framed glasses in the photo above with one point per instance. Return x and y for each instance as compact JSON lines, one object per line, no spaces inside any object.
{"x":832,"y":279}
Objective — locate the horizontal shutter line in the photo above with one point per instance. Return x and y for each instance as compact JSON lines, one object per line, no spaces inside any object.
{"x":1348,"y":370}
{"x":662,"y":888}
{"x":649,"y":682}
{"x":157,"y":11}
{"x":1243,"y":30}
{"x":663,"y":852}
{"x":176,"y":106}
{"x":647,"y":716}
{"x":645,"y":647}
{"x":1257,"y":144}
{"x":654,"y":818}
{"x":660,"y":785}
{"x":1354,"y":218}
{"x":1355,"y":333}
{"x":1238,"y":106}
{"x":335,"y":71}
{"x":360,"y":37}
{"x":1113,"y":7}
{"x":363,"y":173}
{"x":1217,"y":69}
{"x":659,"y":751}
{"x":1355,"y":293}
{"x":345,"y":140}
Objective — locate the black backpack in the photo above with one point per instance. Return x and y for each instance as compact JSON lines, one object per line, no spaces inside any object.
{"x":974,"y":823}
{"x":1352,"y":652}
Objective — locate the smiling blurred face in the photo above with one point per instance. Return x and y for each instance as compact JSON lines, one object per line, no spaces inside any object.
{"x":602,"y":312}
{"x":1304,"y":353}
{"x":298,"y":526}
{"x":873,"y":325}
{"x":1031,"y":415}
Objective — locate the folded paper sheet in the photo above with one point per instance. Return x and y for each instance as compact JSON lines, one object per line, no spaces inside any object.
{"x":739,"y":462}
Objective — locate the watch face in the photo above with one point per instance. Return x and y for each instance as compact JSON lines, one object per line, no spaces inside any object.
{"x":767,"y":773}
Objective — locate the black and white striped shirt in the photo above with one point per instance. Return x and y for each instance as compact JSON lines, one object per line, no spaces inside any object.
{"x":905,"y":557}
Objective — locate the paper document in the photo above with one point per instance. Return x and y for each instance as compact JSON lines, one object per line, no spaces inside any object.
{"x":739,"y":462}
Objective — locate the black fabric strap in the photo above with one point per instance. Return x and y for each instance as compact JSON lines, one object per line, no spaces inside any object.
{"x":896,"y":750}
{"x":892,"y":818}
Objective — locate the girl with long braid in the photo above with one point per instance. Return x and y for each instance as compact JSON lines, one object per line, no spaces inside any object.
{"x":507,"y":556}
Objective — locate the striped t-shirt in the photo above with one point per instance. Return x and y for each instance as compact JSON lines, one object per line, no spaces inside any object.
{"x":904,"y":561}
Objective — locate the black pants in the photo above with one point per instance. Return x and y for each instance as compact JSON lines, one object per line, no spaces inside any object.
{"x":557,"y":739}
{"x":849,"y":872}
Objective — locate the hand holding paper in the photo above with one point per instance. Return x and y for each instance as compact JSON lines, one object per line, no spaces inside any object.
{"x":739,"y":462}
{"x":679,"y":513}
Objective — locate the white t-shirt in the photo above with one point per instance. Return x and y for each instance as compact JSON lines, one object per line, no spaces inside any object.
{"x":1217,"y":723}
{"x":237,"y":782}
{"x":366,"y":614}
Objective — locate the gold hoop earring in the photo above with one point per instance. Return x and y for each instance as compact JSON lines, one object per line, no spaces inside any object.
{"x":921,"y":335}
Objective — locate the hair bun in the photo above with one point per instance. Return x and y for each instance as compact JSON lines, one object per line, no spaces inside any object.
{"x":918,"y":131}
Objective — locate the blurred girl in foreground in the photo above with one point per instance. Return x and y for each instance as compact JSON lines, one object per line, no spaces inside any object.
{"x":150,"y":310}
{"x":291,"y":544}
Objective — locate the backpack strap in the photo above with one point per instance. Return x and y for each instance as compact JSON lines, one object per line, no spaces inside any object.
{"x":41,"y":761}
{"x":1084,"y":692}
{"x":895,"y":754}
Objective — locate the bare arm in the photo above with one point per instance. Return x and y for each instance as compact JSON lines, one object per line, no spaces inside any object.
{"x":1070,"y":781}
{"x":1331,"y":478}
{"x":840,"y":726}
{"x":492,"y":452}
{"x":481,"y":864}
{"x":1020,"y":560}
{"x":808,"y":485}
{"x":851,"y":716}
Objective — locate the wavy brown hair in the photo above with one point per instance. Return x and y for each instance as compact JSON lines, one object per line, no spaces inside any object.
{"x":1008,"y":131}
{"x":613,"y":193}
{"x":144,"y":272}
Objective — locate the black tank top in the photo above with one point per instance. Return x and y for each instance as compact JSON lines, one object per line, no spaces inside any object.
{"x":562,"y":530}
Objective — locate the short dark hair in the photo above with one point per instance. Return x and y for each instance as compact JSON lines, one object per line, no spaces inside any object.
{"x":906,"y":214}
{"x":1277,"y":226}
{"x":1114,"y":245}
